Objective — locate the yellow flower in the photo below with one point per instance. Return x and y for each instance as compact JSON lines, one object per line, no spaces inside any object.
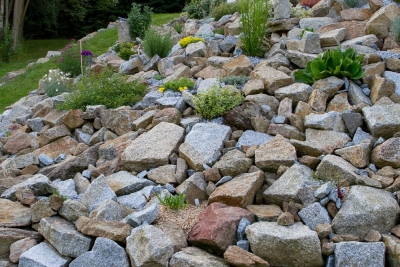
{"x":185,"y":88}
{"x":180,"y":89}
{"x":161,"y":89}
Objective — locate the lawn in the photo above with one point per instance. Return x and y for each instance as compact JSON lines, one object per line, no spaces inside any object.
{"x":32,"y":50}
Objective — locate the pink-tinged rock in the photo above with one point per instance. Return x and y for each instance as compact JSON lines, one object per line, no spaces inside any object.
{"x":17,"y":142}
{"x":19,"y":247}
{"x":240,"y":191}
{"x":26,"y":196}
{"x":14,"y":214}
{"x":217,"y":225}
{"x":73,"y":119}
{"x":237,"y":256}
{"x":387,"y":154}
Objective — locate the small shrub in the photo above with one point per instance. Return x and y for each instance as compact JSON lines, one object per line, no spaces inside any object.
{"x":309,"y":3}
{"x":173,"y":202}
{"x":332,"y":63}
{"x":55,"y":192}
{"x":6,"y":48}
{"x":124,"y":50}
{"x":70,"y":60}
{"x":255,"y":14}
{"x":104,"y":88}
{"x":56,"y":82}
{"x":178,"y":27}
{"x":351,"y":3}
{"x":184,"y":42}
{"x":219,"y":30}
{"x":199,"y":9}
{"x":396,"y":29}
{"x":223,"y":9}
{"x":158,"y":77}
{"x":215,"y":101}
{"x":178,"y":85}
{"x":139,"y":19}
{"x":158,"y":43}
{"x":235,"y":80}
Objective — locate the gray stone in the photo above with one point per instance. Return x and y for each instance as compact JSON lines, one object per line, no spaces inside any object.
{"x":25,"y":160}
{"x":64,"y":236}
{"x":366,"y":208}
{"x":204,"y":144}
{"x":323,"y":190}
{"x":360,"y":136}
{"x":43,"y":255}
{"x":251,"y":138}
{"x":163,"y":174}
{"x":314,"y":214}
{"x":282,"y":9}
{"x":196,"y":49}
{"x":97,"y":192}
{"x":295,"y":245}
{"x":357,"y":97}
{"x":149,"y":246}
{"x":310,"y":43}
{"x":315,"y":22}
{"x":39,"y":184}
{"x":329,"y":85}
{"x":228,"y":44}
{"x":148,"y":100}
{"x":108,"y":210}
{"x":152,"y":149}
{"x":299,"y":58}
{"x":194,"y":187}
{"x":394,"y":76}
{"x":172,"y":102}
{"x":105,"y":253}
{"x":287,"y":187}
{"x":204,"y":31}
{"x":195,"y":257}
{"x":352,"y":121}
{"x":72,"y":209}
{"x":382,"y":120}
{"x":35,"y":124}
{"x":65,"y":188}
{"x":206,"y":84}
{"x":296,"y":92}
{"x":233,"y":163}
{"x":360,"y":254}
{"x":331,"y":121}
{"x":45,"y":160}
{"x":392,"y":244}
{"x":136,"y":200}
{"x":41,"y":209}
{"x":124,"y":183}
{"x":149,"y":214}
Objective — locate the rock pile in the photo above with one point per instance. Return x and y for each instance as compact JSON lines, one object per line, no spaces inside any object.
{"x":297,"y":175}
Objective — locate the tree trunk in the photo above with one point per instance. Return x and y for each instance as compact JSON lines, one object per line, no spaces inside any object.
{"x":20,"y":7}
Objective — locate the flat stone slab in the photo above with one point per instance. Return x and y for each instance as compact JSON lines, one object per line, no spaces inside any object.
{"x":251,"y":138}
{"x":43,"y":255}
{"x":152,"y":149}
{"x":192,"y":256}
{"x":359,"y":254}
{"x":14,"y":214}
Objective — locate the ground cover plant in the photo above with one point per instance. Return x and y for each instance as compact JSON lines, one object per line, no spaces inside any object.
{"x":124,"y":50}
{"x":178,"y":85}
{"x":184,"y":42}
{"x":215,"y":101}
{"x":104,"y":88}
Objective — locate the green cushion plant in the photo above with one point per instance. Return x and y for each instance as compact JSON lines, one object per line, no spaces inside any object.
{"x":332,"y":62}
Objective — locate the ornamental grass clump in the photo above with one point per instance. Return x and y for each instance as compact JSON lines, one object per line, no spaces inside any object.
{"x":104,"y":88}
{"x":156,"y":43}
{"x":332,"y":62}
{"x":184,"y":42}
{"x":255,"y":14}
{"x":215,"y":101}
{"x":175,"y":203}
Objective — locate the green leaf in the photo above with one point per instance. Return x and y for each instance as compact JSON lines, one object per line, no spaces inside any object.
{"x":303,"y":77}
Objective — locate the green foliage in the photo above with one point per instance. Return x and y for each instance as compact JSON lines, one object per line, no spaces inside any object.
{"x":224,"y":9}
{"x":306,"y":30}
{"x":351,"y":3}
{"x":104,"y":88}
{"x":235,"y":80}
{"x":124,"y":50}
{"x":184,"y":42}
{"x":215,"y":101}
{"x":70,"y":60}
{"x":55,"y":192}
{"x":332,"y":63}
{"x":396,"y":29}
{"x":179,"y":85}
{"x":139,"y":19}
{"x":160,"y":19}
{"x":156,"y":43}
{"x":255,"y":14}
{"x":199,"y":9}
{"x":158,"y":77}
{"x":6,"y":48}
{"x":173,"y":202}
{"x":56,"y":83}
{"x":219,"y":30}
{"x":178,"y":27}
{"x":300,"y":12}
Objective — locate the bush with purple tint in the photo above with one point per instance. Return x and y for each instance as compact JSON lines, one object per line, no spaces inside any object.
{"x":70,"y":59}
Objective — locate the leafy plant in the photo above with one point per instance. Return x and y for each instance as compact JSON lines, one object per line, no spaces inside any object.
{"x":351,"y":3}
{"x":158,"y":77}
{"x":173,"y":202}
{"x":199,"y":9}
{"x":70,"y":60}
{"x":156,"y":43}
{"x":178,"y":27}
{"x":104,"y":88}
{"x":235,"y":80}
{"x":219,"y":30}
{"x":184,"y":42}
{"x":255,"y":14}
{"x":396,"y":29}
{"x":124,"y":50}
{"x":139,"y":19}
{"x":55,"y":192}
{"x":223,"y":9}
{"x":332,"y":63}
{"x":215,"y":101}
{"x":56,"y":82}
{"x":306,"y":30}
{"x":179,"y":85}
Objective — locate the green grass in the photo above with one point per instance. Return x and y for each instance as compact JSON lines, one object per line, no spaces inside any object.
{"x":159,"y":19}
{"x":19,"y":87}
